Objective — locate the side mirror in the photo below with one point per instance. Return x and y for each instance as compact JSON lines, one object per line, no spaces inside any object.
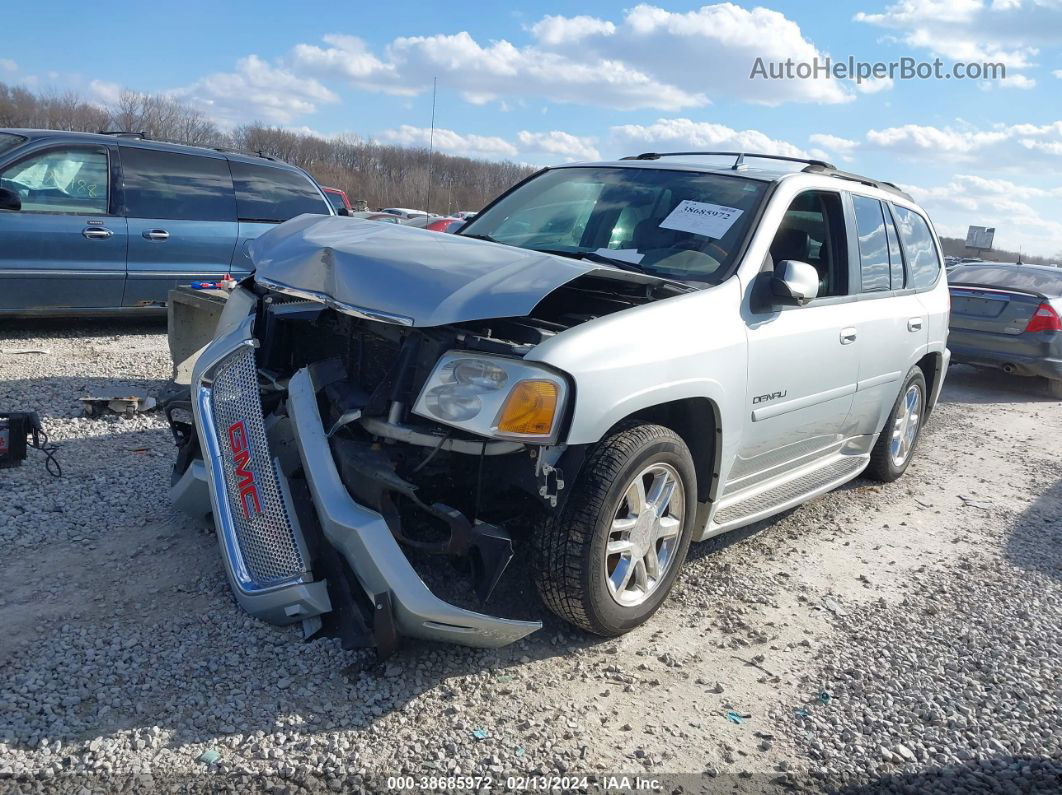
{"x":795,"y":280}
{"x":9,"y":200}
{"x":344,"y":211}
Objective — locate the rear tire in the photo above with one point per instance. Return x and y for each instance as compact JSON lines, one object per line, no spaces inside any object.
{"x":603,"y":563}
{"x":896,"y":444}
{"x":1054,"y":388}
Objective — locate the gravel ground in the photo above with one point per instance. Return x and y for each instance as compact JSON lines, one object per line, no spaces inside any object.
{"x":882,"y":637}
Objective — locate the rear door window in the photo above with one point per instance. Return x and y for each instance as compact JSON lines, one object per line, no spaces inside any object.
{"x":61,"y":181}
{"x":177,"y":186}
{"x":873,"y":245}
{"x":923,"y":262}
{"x":273,"y":195}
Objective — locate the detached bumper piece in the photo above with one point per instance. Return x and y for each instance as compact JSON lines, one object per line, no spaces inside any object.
{"x":369,"y":547}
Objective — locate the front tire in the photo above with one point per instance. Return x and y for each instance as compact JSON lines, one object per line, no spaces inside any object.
{"x":896,"y":444}
{"x":608,"y":559}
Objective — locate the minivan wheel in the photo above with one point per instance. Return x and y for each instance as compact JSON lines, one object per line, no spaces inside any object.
{"x":896,"y":445}
{"x":609,"y":557}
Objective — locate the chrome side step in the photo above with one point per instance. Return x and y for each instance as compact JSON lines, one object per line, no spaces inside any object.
{"x":768,"y":499}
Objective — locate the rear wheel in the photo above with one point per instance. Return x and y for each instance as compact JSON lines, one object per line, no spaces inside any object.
{"x":896,"y":445}
{"x":1054,"y":388}
{"x":608,"y":559}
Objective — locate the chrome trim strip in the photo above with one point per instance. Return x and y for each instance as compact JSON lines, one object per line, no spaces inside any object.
{"x":14,"y":272}
{"x":802,"y":403}
{"x":347,"y":309}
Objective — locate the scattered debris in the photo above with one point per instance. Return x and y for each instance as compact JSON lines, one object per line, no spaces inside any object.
{"x":734,"y":717}
{"x":824,"y":698}
{"x":126,"y":406}
{"x":23,"y":351}
{"x":480,"y":734}
{"x":834,"y":606}
{"x":210,"y":756}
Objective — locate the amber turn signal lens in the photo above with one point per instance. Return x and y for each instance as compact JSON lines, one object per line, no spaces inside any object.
{"x":529,"y":409}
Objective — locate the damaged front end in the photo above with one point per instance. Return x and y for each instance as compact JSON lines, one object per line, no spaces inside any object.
{"x":345,"y":449}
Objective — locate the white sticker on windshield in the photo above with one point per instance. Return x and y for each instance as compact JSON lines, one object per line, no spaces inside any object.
{"x":701,"y":218}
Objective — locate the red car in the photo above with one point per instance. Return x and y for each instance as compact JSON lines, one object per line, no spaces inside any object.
{"x":445,"y":224}
{"x":339,"y":199}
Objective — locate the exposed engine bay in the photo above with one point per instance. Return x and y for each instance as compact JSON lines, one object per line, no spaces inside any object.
{"x":442,"y":489}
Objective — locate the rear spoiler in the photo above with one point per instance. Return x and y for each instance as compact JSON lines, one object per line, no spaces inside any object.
{"x":981,"y":289}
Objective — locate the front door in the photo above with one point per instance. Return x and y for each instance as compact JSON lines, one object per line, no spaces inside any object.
{"x":803,"y":361}
{"x":66,"y":247}
{"x":182,"y":221}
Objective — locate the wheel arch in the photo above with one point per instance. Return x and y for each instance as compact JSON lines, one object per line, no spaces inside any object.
{"x":932,"y":367}
{"x":690,"y":418}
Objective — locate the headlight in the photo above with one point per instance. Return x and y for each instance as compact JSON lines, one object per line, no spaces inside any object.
{"x":494,"y":396}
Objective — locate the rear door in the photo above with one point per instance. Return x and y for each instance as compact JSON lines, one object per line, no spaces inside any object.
{"x":266,"y":196}
{"x":893,"y":324}
{"x":182,"y":220}
{"x":66,"y":247}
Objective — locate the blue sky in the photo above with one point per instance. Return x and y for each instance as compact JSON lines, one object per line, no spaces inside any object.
{"x":551,"y":82}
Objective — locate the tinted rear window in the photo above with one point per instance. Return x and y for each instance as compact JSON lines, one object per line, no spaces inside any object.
{"x":274,"y":194}
{"x":923,"y":264}
{"x":177,"y":186}
{"x":1010,"y":277}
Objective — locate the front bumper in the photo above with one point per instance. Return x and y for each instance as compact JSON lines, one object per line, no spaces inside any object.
{"x":361,"y":535}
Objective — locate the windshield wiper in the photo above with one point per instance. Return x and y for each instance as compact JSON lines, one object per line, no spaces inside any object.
{"x":593,"y":256}
{"x":488,"y":238}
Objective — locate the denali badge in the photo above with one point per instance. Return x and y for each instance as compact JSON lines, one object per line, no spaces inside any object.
{"x":765,"y":398}
{"x":241,"y":459}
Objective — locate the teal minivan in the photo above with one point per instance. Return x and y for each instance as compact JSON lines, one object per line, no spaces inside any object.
{"x":99,"y":224}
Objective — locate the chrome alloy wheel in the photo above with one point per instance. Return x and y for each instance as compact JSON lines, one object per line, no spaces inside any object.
{"x":905,"y":425}
{"x":644,"y":536}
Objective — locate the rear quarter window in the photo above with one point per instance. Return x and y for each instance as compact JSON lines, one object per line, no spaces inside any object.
{"x":874,"y":265}
{"x":273,"y":195}
{"x":923,"y":262}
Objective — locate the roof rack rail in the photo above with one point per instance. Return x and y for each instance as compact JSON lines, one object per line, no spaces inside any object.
{"x":831,"y":171}
{"x":125,"y":134}
{"x":739,"y":157}
{"x":231,"y":151}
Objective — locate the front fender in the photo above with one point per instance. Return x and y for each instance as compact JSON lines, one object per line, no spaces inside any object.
{"x":689,"y":346}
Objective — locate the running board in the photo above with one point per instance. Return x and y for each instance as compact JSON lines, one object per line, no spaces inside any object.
{"x":745,"y":508}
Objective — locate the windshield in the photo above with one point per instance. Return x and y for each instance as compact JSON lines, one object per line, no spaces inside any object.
{"x":677,"y":224}
{"x":9,"y":140}
{"x":336,"y":199}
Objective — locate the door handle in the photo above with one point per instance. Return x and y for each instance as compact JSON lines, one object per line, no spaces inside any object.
{"x":848,"y":336}
{"x":914,"y":324}
{"x":156,"y":234}
{"x":96,"y":233}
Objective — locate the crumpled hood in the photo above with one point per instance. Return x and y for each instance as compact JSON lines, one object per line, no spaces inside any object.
{"x":405,"y":275}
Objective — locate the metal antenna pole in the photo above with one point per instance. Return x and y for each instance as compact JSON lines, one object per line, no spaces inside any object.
{"x":431,"y":145}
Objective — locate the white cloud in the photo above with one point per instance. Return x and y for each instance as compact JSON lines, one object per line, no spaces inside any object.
{"x":553,"y":30}
{"x":255,"y":90}
{"x":1007,"y":31}
{"x":105,"y":91}
{"x":685,"y":134}
{"x":1023,"y":215}
{"x":558,"y":142}
{"x":1016,"y":81}
{"x":649,"y":58}
{"x":7,"y":65}
{"x":874,"y":85}
{"x":1000,"y":147}
{"x":942,"y":141}
{"x":833,"y":145}
{"x":450,"y":142}
{"x":1057,"y":73}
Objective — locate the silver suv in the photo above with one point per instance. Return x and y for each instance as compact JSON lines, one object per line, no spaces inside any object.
{"x":610,"y":362}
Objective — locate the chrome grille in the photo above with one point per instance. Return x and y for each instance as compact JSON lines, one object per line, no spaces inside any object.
{"x":260,"y":518}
